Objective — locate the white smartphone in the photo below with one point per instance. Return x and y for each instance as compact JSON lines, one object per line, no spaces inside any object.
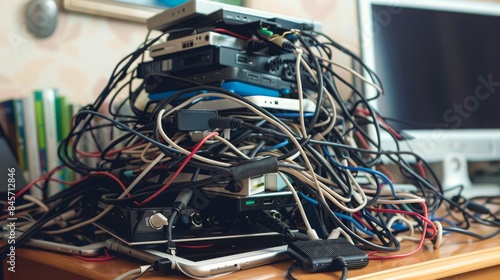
{"x":89,"y":250}
{"x":200,"y":266}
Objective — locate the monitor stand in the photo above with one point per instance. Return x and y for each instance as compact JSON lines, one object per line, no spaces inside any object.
{"x":456,"y":173}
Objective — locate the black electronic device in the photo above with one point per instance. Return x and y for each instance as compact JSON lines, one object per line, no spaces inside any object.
{"x":191,"y":64}
{"x":132,"y":225}
{"x":162,"y":83}
{"x":327,"y":255}
{"x":194,"y":120}
{"x":205,"y":59}
{"x":244,"y":22}
{"x":260,"y":201}
{"x":192,"y":12}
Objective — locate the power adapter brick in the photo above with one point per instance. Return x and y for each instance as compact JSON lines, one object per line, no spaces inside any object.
{"x":327,"y":255}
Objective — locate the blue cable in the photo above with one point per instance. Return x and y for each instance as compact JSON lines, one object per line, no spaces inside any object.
{"x":308,"y":198}
{"x":277,"y":146}
{"x":340,"y":215}
{"x":364,"y":169}
{"x":356,"y":223}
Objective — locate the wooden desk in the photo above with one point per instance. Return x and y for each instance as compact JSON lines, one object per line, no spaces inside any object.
{"x":459,"y":257}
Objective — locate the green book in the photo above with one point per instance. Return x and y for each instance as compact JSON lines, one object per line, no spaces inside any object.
{"x":45,"y":111}
{"x":22,"y":153}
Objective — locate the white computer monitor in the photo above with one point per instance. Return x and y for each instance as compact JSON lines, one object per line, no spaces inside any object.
{"x":439,"y":63}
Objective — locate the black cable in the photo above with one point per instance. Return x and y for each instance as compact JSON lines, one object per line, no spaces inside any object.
{"x":368,"y":244}
{"x":319,"y":90}
{"x":471,"y":233}
{"x":342,"y":263}
{"x":291,"y":269}
{"x":256,"y":149}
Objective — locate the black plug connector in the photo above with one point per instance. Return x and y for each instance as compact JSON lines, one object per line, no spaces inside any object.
{"x":471,"y":205}
{"x":342,"y":153}
{"x":252,"y":46}
{"x":253,"y":167}
{"x":270,"y":222}
{"x":164,"y":264}
{"x":182,"y":200}
{"x":224,"y":122}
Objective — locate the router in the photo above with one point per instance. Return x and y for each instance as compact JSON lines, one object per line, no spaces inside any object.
{"x":324,"y":255}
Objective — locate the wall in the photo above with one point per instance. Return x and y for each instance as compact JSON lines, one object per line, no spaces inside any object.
{"x":77,"y":59}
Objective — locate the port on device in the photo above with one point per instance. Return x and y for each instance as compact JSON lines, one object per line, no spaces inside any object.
{"x":250,"y":202}
{"x":268,"y":201}
{"x":187,"y":44}
{"x":196,"y":219}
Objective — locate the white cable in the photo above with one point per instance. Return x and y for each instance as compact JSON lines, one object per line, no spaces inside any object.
{"x":232,"y":147}
{"x":360,"y":195}
{"x":298,"y":53}
{"x":327,"y":94}
{"x":36,"y":201}
{"x":178,"y":266}
{"x":399,"y":217}
{"x":243,"y":103}
{"x":138,"y":270}
{"x":297,"y":199}
{"x":107,"y":209}
{"x":352,"y":71}
{"x":179,"y":148}
{"x":305,"y":177}
{"x":329,"y":193}
{"x":336,"y":233}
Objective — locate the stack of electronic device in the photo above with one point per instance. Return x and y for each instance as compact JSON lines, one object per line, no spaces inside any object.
{"x":218,"y":45}
{"x":215,"y":44}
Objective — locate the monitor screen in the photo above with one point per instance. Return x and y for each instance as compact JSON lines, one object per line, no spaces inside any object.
{"x":439,"y":64}
{"x":440,"y":69}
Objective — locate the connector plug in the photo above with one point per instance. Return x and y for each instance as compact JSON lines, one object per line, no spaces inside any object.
{"x":163,"y":265}
{"x":182,"y":200}
{"x":254,"y":167}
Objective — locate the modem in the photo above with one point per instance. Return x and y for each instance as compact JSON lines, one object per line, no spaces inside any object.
{"x":325,"y":255}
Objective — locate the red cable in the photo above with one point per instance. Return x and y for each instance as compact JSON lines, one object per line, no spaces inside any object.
{"x":421,"y":169}
{"x":228,"y":32}
{"x":422,"y":238}
{"x":203,"y":246}
{"x":45,"y":177}
{"x":387,"y":126}
{"x":362,"y":140}
{"x":172,"y":178}
{"x":105,"y":257}
{"x":23,"y":190}
{"x":362,"y":221}
{"x":394,"y":211}
{"x":386,"y":171}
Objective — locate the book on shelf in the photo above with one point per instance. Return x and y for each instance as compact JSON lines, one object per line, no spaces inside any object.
{"x":63,"y":121}
{"x":21,"y":150}
{"x":8,"y":123}
{"x":34,"y":127}
{"x":31,"y":141}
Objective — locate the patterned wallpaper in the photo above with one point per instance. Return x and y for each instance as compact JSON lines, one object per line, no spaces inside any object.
{"x":79,"y":57}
